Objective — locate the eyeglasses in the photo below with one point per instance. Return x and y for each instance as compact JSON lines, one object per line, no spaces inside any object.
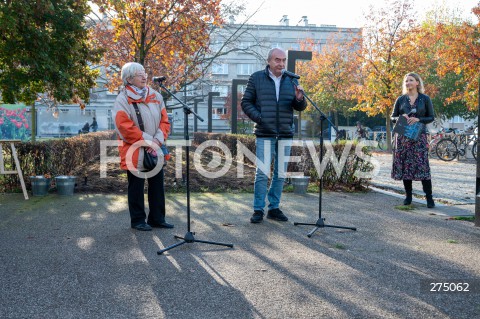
{"x":141,"y":75}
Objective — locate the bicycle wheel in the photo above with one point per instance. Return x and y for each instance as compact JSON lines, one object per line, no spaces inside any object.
{"x":432,"y":149}
{"x":382,"y":143}
{"x":474,"y":150}
{"x":447,"y":150}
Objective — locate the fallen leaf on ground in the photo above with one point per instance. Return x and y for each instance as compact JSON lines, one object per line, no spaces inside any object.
{"x":228,"y":225}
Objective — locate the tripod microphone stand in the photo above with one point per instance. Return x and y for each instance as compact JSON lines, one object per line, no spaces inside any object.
{"x":320,"y":223}
{"x":189,"y":236}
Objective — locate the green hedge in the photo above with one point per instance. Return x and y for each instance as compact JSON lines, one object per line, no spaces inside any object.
{"x":51,"y":157}
{"x":331,"y":180}
{"x":230,"y":140}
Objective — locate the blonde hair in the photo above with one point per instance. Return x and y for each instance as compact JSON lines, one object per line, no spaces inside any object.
{"x":420,"y":87}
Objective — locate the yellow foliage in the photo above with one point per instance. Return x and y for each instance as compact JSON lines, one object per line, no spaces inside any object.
{"x":164,"y":36}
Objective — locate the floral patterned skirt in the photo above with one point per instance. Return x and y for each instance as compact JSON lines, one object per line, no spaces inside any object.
{"x":410,"y":159}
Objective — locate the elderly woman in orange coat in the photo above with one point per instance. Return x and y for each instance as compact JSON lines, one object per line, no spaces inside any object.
{"x":136,"y":142}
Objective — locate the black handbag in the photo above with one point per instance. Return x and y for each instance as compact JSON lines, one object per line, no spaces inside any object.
{"x":149,"y":160}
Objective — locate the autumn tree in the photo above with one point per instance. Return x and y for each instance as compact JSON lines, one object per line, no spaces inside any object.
{"x":440,"y":86}
{"x":243,"y":121}
{"x":164,"y":36}
{"x":44,"y":49}
{"x":331,"y":74}
{"x":459,"y":56}
{"x":388,"y":51}
{"x":181,"y":39}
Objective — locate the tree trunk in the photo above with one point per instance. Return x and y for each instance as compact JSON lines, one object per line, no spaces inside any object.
{"x":34,"y":122}
{"x":387,"y":125}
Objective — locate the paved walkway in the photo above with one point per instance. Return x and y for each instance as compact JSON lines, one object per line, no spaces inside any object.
{"x":76,"y":257}
{"x":453,"y":182}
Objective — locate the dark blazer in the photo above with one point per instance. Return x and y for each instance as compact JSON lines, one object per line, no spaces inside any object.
{"x":259,"y":102}
{"x":424,"y":112}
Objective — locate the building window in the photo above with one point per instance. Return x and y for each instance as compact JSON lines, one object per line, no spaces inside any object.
{"x":216,"y":46}
{"x":193,"y":90}
{"x":223,"y":89}
{"x":295,"y":46}
{"x":241,"y":88}
{"x":218,"y":112}
{"x":245,"y":45}
{"x":218,"y":68}
{"x":245,"y":68}
{"x":458,"y":119}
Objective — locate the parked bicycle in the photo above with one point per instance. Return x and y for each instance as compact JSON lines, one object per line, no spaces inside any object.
{"x":381,"y":139}
{"x":433,"y":140}
{"x":451,"y":147}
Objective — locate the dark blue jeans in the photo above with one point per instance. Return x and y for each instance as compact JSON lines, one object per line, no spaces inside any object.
{"x":266,"y":151}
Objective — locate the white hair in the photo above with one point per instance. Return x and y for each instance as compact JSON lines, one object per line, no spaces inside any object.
{"x":270,"y":53}
{"x":129,"y":70}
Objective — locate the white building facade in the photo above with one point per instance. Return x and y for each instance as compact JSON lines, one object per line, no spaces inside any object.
{"x":248,"y":55}
{"x":253,"y":47}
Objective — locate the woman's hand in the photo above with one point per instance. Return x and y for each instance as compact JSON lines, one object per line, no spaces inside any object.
{"x":411,"y":120}
{"x":151,"y":151}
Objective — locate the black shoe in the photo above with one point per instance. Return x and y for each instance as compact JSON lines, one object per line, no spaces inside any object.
{"x":408,"y":200}
{"x":430,"y":202}
{"x":161,"y":225}
{"x":142,"y":227}
{"x":257,"y":217}
{"x":277,"y":214}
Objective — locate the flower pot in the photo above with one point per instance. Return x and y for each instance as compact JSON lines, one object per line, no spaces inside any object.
{"x":40,"y":185}
{"x":65,"y":184}
{"x":300,"y":184}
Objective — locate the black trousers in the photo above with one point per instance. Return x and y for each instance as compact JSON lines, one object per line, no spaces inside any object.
{"x":156,"y":199}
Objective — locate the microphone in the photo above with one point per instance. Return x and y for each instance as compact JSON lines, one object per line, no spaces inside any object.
{"x":412,"y":111}
{"x":159,"y":78}
{"x":290,"y":74}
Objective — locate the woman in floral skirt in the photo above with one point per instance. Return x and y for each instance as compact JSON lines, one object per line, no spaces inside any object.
{"x":410,"y":161}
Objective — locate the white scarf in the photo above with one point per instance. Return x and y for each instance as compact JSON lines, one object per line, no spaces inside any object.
{"x":139,"y":91}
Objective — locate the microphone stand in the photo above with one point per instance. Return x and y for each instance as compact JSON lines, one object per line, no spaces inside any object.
{"x":320,"y":223}
{"x":189,"y":236}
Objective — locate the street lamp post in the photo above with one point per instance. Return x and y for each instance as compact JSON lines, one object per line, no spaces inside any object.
{"x":195,"y":109}
{"x":210,"y":110}
{"x":235,"y":84}
{"x":292,"y":57}
{"x":477,"y":189}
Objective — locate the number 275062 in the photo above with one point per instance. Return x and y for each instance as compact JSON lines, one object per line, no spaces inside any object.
{"x":449,"y":287}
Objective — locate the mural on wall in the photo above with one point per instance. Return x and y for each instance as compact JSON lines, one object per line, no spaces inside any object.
{"x":67,"y":121}
{"x":14,"y":122}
